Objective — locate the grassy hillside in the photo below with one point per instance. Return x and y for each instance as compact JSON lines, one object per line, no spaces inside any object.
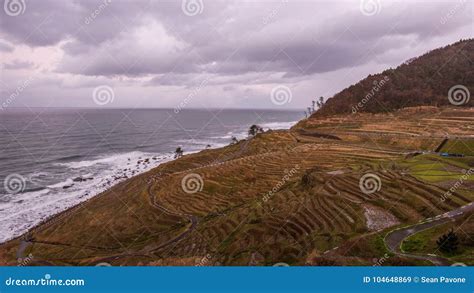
{"x":283,"y":196}
{"x":459,"y":147}
{"x":422,"y":81}
{"x":326,"y":192}
{"x":425,"y":242}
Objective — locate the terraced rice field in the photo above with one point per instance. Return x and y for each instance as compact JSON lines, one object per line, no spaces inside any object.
{"x":283,"y":196}
{"x":459,"y":146}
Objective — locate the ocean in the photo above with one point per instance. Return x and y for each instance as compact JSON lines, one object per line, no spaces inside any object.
{"x":52,"y":159}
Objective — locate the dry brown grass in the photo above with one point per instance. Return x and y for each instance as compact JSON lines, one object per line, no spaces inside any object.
{"x":150,"y":220}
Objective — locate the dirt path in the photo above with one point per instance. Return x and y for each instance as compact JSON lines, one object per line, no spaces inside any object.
{"x":394,"y":239}
{"x":191,"y":218}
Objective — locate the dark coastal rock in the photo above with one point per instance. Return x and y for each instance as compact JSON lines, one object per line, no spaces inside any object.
{"x":82,"y":179}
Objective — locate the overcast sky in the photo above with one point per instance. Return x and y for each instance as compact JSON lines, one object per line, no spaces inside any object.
{"x":205,"y":53}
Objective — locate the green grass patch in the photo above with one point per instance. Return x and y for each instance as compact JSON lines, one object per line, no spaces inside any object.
{"x":459,"y":146}
{"x":424,"y":242}
{"x":434,"y":168}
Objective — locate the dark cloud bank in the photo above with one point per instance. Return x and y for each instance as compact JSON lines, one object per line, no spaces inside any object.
{"x":154,"y":53}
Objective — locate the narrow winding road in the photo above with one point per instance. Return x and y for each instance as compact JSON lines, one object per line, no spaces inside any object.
{"x":394,"y":239}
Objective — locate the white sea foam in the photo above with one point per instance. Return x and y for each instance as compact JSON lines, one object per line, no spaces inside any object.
{"x":61,"y":184}
{"x":199,"y":144}
{"x":243,"y":133}
{"x":25,"y":210}
{"x":278,"y":125}
{"x":109,"y":159}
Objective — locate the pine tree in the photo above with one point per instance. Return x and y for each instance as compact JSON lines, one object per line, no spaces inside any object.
{"x":448,"y":242}
{"x":178,"y":152}
{"x":254,"y":130}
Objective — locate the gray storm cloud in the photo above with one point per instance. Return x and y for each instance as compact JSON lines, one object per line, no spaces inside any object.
{"x":157,"y":50}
